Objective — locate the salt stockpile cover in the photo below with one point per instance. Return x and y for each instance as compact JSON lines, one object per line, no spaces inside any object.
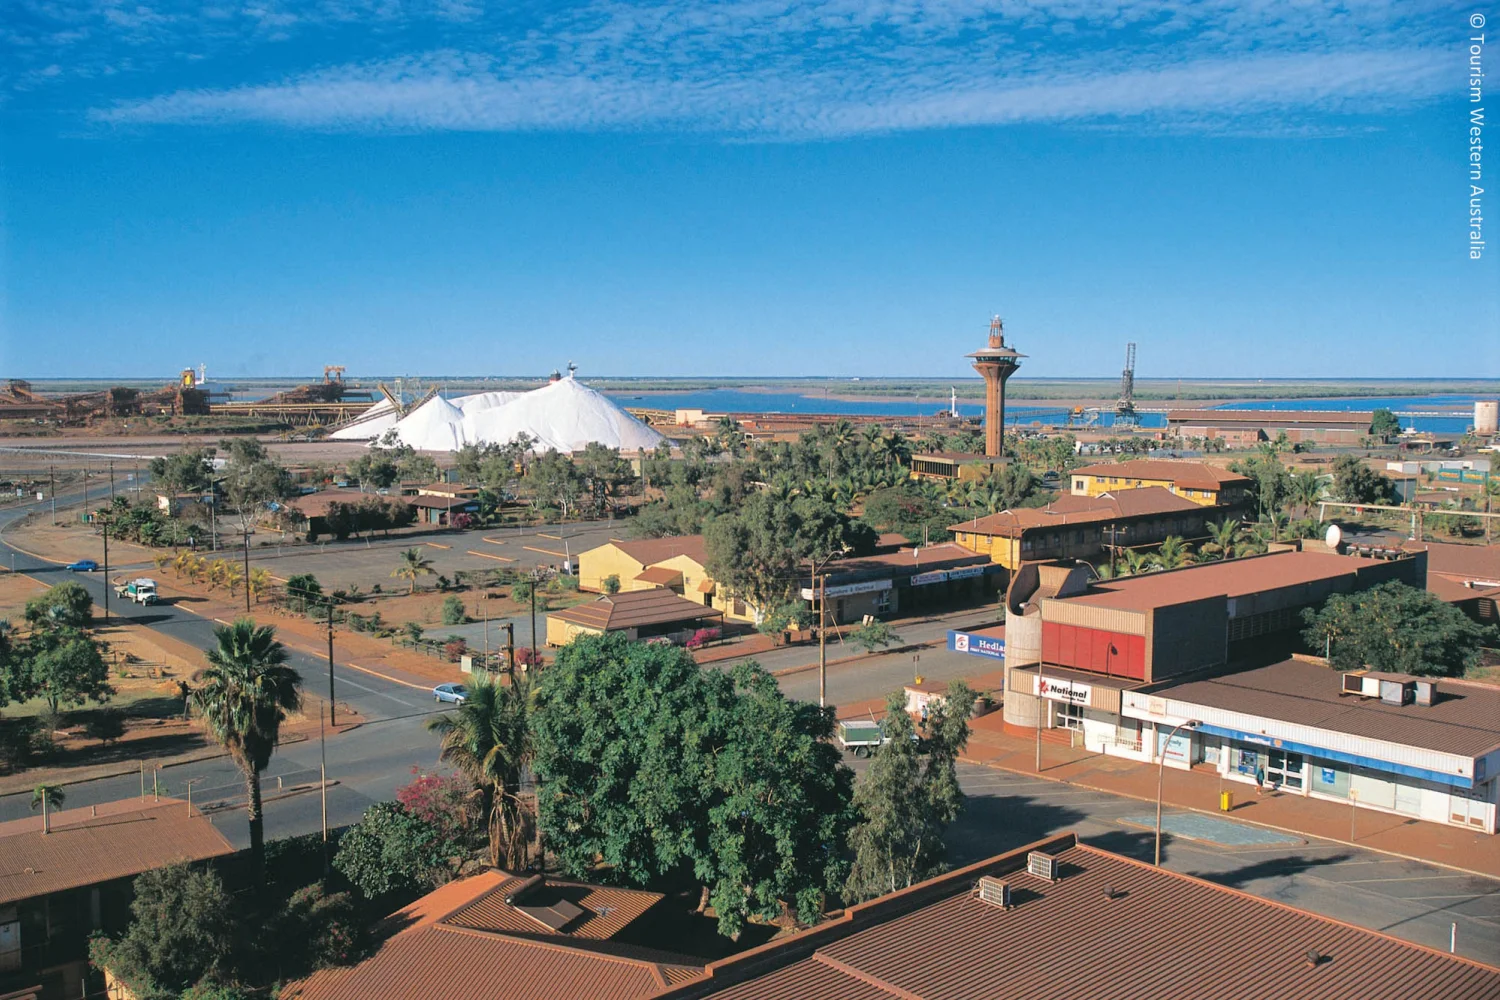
{"x":436,"y":425}
{"x":485,"y":401}
{"x":368,"y":425}
{"x":565,"y":415}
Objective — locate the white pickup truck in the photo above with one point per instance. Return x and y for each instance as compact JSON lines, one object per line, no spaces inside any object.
{"x":141,"y":590}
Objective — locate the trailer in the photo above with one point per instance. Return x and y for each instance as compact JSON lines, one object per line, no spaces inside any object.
{"x":861,"y":736}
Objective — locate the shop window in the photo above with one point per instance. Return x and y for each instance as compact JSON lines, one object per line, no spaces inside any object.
{"x":882,"y":602}
{"x":1070,"y":717}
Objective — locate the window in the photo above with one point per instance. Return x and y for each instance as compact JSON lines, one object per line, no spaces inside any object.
{"x":1070,"y":717}
{"x":882,"y":602}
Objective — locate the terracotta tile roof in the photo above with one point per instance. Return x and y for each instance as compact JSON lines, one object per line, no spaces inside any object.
{"x":606,"y":910}
{"x":1109,"y":928}
{"x":1230,"y":577}
{"x":660,"y":575}
{"x":1145,"y":501}
{"x":1464,"y":719}
{"x":649,"y":551}
{"x":464,"y":940}
{"x":88,"y":846}
{"x":1187,"y":475}
{"x":635,"y":608}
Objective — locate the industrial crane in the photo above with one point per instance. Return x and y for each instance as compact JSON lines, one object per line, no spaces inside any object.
{"x":1125,"y":415}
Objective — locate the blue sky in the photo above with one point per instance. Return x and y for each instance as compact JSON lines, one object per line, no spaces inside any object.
{"x":754,"y":187}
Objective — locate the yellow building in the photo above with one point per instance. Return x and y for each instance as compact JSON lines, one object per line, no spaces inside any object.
{"x":1203,"y":484}
{"x":948,"y":466}
{"x":677,"y":564}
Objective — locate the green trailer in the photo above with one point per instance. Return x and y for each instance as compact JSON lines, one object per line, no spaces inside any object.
{"x":861,"y":736}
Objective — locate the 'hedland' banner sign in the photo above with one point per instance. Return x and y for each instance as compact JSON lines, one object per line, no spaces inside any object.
{"x":976,"y":645}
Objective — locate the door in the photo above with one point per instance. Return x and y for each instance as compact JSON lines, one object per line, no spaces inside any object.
{"x":1408,"y":798}
{"x":1284,"y":769}
{"x":1468,"y":807}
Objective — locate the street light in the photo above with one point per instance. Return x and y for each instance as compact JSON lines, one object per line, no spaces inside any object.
{"x":1161,"y":771}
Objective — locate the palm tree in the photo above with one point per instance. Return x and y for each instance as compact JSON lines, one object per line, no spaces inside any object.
{"x":489,"y":740}
{"x":260,"y":582}
{"x":1305,"y":488}
{"x":1221,"y":537}
{"x":1136,"y":562}
{"x":1173,"y":553}
{"x":46,"y":797}
{"x":413,"y":565}
{"x":245,"y":694}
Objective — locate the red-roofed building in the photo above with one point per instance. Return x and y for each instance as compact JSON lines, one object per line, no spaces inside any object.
{"x":498,"y":936}
{"x":1075,"y":526}
{"x":57,"y":887}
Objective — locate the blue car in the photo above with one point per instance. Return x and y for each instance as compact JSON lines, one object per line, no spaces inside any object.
{"x":455,"y":693}
{"x":83,"y":566}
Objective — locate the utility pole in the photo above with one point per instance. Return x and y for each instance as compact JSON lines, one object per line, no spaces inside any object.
{"x":111,"y":482}
{"x":533,"y":619}
{"x":245,"y":525}
{"x":105,"y":523}
{"x":332,"y":707}
{"x":85,"y":487}
{"x":822,"y":647}
{"x":323,"y":782}
{"x":510,"y":651}
{"x":1042,"y":711}
{"x":52,"y":492}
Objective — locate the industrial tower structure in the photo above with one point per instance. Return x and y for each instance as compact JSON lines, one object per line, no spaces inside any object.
{"x":1125,"y":415}
{"x":995,"y":363}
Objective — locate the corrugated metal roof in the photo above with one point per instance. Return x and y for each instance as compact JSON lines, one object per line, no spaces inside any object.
{"x":89,"y":846}
{"x":1071,"y":509}
{"x":1230,"y":577}
{"x":649,"y":551}
{"x":1464,"y":720}
{"x":635,"y":608}
{"x":661,"y":575}
{"x":1191,"y":475}
{"x":1109,"y":929}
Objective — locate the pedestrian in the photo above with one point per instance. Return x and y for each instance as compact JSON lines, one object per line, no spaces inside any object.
{"x":1260,"y":779}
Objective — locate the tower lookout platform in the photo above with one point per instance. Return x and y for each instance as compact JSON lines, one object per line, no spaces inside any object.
{"x":995,"y":363}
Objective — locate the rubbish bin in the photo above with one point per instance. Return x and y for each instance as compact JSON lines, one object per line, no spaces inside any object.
{"x":1226,"y":801}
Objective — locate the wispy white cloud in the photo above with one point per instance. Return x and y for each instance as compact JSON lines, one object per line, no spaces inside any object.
{"x":785,"y":68}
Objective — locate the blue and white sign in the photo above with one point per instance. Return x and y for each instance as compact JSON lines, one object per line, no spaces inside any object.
{"x":964,"y":572}
{"x":976,"y":645}
{"x":922,"y":579}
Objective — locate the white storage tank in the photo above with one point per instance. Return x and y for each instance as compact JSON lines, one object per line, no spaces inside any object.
{"x":1486,"y":416}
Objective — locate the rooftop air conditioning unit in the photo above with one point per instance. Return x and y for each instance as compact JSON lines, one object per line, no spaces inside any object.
{"x":1397,"y":692}
{"x":1353,"y":682}
{"x":1043,"y":866}
{"x":994,"y":891}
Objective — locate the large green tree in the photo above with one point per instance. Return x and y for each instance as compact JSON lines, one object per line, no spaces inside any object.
{"x":1356,"y":482}
{"x":189,"y":471}
{"x":1396,"y":628}
{"x":909,"y":797}
{"x":245,"y":695}
{"x":66,"y":605}
{"x":391,"y":852}
{"x":182,"y":933}
{"x":64,"y":667}
{"x":662,"y":772}
{"x":1384,"y":424}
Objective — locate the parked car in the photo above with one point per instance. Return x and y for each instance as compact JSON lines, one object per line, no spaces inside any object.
{"x":83,"y":566}
{"x":457,"y":694}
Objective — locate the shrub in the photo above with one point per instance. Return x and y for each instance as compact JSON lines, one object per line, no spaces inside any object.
{"x":318,"y":929}
{"x":414,"y":632}
{"x":524,"y":657}
{"x":391,"y":852}
{"x":106,"y":725}
{"x":455,"y":650}
{"x":453,"y":611}
{"x":612,"y":584}
{"x":703,"y":637}
{"x":182,"y":932}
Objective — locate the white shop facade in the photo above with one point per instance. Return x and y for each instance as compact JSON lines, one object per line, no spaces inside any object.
{"x":1409,"y":770}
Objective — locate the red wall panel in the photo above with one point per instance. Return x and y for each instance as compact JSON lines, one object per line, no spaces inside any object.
{"x":1099,"y":651}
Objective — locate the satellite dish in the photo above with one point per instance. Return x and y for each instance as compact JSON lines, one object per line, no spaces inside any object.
{"x":1333,"y":536}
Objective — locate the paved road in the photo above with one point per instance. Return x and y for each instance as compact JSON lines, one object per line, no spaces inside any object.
{"x":1410,"y":900}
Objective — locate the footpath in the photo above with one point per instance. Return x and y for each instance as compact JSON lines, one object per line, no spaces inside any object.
{"x":1198,"y":790}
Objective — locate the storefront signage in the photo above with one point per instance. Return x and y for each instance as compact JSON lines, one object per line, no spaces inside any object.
{"x":964,"y":572}
{"x":1326,"y":775}
{"x":1059,"y":689}
{"x":976,"y":645}
{"x":922,"y":579}
{"x":844,"y":590}
{"x":1179,"y":747}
